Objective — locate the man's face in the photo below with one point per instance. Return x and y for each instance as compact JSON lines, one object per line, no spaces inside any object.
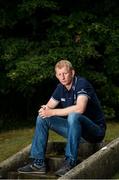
{"x":65,"y":75}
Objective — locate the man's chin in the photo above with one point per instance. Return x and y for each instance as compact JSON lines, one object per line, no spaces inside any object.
{"x":65,"y":84}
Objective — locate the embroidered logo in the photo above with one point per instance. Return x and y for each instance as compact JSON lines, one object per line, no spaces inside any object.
{"x":82,"y":91}
{"x":63,"y":99}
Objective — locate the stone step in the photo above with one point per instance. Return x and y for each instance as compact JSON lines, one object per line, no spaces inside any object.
{"x":54,"y":157}
{"x":15,"y":175}
{"x":53,"y":164}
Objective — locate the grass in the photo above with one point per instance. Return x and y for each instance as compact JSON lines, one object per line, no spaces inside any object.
{"x":13,"y":141}
{"x":112,"y":131}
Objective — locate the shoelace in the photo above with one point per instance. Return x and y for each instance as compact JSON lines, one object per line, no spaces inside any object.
{"x":39,"y":162}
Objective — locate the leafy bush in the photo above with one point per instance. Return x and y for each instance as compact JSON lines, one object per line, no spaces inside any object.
{"x":35,"y":34}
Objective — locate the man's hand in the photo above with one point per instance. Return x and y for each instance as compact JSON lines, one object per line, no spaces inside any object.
{"x":45,"y":111}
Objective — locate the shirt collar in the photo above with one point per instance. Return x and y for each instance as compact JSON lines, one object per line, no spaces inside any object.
{"x":73,"y":85}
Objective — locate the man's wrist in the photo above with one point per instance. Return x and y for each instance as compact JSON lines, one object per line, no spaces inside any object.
{"x":53,"y":112}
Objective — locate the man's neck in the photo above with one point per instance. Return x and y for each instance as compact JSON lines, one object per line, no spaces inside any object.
{"x":68,"y":87}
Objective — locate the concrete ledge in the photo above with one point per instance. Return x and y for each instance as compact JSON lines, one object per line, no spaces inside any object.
{"x":20,"y":158}
{"x":101,"y":165}
{"x":14,"y":161}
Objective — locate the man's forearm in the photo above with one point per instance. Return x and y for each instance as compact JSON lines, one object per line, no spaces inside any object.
{"x":65,"y":111}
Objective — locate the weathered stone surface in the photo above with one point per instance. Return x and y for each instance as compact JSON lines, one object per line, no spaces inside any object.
{"x":15,"y":175}
{"x":53,"y":153}
{"x":14,"y":161}
{"x":101,"y":165}
{"x":54,"y":163}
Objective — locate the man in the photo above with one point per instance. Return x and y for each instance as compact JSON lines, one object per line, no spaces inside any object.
{"x":80,"y":115}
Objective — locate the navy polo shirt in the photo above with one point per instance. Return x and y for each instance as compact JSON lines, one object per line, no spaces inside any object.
{"x":80,"y":87}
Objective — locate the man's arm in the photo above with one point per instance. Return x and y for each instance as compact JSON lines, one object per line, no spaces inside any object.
{"x":52,"y":103}
{"x":80,"y":107}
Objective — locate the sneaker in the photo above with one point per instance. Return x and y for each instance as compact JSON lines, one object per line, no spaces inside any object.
{"x":67,"y":165}
{"x":37,"y":167}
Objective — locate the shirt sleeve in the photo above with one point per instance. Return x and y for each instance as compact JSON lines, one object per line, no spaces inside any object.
{"x":84,"y":88}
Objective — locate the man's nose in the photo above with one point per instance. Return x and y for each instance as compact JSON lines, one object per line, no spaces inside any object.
{"x":63,"y":77}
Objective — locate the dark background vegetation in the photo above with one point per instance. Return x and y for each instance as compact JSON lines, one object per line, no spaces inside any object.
{"x":34,"y":34}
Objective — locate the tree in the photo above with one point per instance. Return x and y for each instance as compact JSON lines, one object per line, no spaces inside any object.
{"x":36,"y":33}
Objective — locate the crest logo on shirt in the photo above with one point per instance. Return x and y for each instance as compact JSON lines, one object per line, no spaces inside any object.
{"x":63,"y":99}
{"x":82,"y":91}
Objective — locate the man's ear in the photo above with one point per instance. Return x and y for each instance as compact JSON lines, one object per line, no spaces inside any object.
{"x":56,"y":75}
{"x":73,"y":72}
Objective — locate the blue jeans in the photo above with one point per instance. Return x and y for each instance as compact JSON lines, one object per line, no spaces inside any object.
{"x":72,"y":128}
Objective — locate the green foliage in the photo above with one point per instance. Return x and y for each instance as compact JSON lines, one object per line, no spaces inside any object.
{"x":109,"y":112}
{"x":30,"y":6}
{"x":37,"y":33}
{"x":30,"y":71}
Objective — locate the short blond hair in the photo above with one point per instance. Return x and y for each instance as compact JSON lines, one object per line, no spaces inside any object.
{"x":60,"y":64}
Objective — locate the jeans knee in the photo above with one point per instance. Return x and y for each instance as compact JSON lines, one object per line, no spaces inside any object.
{"x":73,"y":118}
{"x":43,"y":121}
{"x":39,"y":121}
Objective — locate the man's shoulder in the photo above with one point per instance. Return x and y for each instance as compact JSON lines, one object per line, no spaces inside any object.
{"x":59,"y":86}
{"x":83,"y":83}
{"x":82,"y":79}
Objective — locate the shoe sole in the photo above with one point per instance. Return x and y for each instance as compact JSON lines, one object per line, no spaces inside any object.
{"x":58,"y":175}
{"x":41,"y":173}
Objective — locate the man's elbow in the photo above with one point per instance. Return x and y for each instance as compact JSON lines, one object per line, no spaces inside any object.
{"x":80,"y":110}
